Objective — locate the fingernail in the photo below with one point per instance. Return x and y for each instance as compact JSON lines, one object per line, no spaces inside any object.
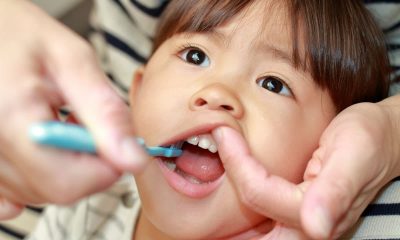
{"x":133,"y":154}
{"x":323,"y":224}
{"x":217,"y":134}
{"x":313,"y":168}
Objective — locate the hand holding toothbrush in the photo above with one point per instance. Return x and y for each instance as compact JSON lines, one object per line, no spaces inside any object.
{"x":41,"y":71}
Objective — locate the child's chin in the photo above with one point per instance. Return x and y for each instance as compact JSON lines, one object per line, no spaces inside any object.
{"x":203,"y":231}
{"x":187,"y":224}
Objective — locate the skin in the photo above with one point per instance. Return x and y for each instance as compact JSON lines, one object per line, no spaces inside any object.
{"x":224,"y":90}
{"x":329,"y":177}
{"x":48,"y":76}
{"x":72,"y":72}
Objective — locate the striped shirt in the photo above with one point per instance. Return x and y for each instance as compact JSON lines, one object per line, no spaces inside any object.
{"x":112,"y":214}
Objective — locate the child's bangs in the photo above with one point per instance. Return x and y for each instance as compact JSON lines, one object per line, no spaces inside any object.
{"x":196,"y":16}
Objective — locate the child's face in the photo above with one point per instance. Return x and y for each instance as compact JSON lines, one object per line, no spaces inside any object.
{"x":237,"y":76}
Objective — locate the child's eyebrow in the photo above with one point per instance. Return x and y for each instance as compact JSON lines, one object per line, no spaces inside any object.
{"x":277,"y":53}
{"x":218,"y":36}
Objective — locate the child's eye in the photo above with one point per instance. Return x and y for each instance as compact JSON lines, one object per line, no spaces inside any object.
{"x":195,"y":56}
{"x":275,"y":85}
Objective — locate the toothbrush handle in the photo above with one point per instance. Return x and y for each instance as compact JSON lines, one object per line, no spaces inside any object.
{"x":76,"y":138}
{"x":63,"y":135}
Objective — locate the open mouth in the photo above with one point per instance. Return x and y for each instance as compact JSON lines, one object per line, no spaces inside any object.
{"x":199,"y":162}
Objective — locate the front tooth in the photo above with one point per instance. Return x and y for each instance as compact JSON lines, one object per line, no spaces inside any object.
{"x":213,"y":148}
{"x":193,"y":140}
{"x":204,"y":143}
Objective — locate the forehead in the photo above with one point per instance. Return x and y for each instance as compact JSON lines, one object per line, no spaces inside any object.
{"x":264,"y":22}
{"x":265,"y":14}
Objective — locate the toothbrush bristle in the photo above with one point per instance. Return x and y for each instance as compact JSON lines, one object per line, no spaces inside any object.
{"x":177,"y":145}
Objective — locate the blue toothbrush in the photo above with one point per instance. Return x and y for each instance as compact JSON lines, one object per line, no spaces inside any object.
{"x":76,"y":138}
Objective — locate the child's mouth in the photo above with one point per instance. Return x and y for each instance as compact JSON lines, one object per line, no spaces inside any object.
{"x":196,"y":171}
{"x":196,"y":165}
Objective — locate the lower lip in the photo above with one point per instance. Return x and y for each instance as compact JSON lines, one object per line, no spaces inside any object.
{"x":181,"y":185}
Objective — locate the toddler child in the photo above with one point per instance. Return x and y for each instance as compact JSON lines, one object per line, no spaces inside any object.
{"x":275,"y":71}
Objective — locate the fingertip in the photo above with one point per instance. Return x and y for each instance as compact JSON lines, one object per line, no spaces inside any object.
{"x":124,"y":153}
{"x":317,"y":222}
{"x":316,"y":215}
{"x":218,"y":134}
{"x":133,"y":157}
{"x":226,"y":137}
{"x":9,"y":209}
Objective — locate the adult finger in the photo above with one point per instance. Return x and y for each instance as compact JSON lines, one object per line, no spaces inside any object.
{"x":10,"y":179}
{"x":347,"y":169}
{"x":85,"y":88}
{"x":31,"y":93}
{"x":71,"y":175}
{"x":70,"y":62}
{"x":269,"y":195}
{"x":37,"y":173}
{"x":9,"y":209}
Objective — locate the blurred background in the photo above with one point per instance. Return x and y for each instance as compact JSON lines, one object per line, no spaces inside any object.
{"x":57,"y":8}
{"x":73,"y":13}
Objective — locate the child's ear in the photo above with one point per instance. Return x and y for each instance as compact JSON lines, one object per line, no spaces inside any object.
{"x":136,"y":82}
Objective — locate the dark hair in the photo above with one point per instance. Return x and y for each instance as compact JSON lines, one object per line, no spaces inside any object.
{"x":344,"y":48}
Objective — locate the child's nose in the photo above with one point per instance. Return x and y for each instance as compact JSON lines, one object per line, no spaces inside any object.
{"x":217,"y":97}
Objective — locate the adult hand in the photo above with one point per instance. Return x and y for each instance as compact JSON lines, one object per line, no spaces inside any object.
{"x":357,"y":155}
{"x":43,"y":66}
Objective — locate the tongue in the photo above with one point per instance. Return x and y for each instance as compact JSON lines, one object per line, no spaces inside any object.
{"x":200,"y":163}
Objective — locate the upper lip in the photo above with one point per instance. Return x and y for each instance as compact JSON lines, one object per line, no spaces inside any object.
{"x":203,"y":128}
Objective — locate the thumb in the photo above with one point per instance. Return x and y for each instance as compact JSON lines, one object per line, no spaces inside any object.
{"x":85,"y":88}
{"x":333,"y":190}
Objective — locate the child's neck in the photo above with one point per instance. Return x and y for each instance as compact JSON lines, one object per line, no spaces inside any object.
{"x":145,"y":230}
